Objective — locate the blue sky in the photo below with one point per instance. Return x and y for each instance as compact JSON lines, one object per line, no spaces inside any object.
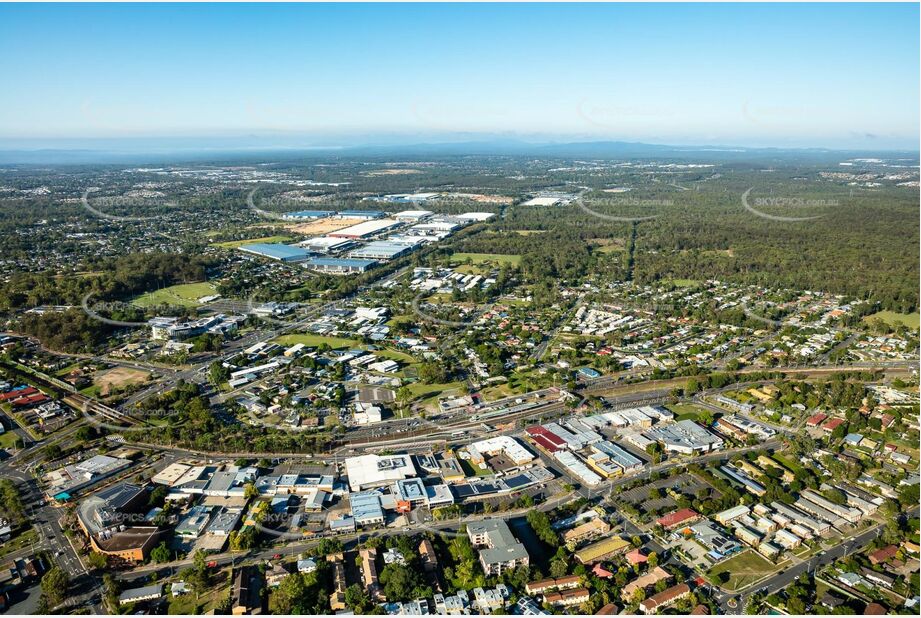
{"x":781,"y":75}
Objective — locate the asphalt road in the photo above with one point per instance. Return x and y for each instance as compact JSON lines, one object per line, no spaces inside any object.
{"x":784,"y":578}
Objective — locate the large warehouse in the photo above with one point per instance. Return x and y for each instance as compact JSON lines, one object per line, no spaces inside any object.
{"x":339,"y":266}
{"x":328,"y":244}
{"x":309,"y":214}
{"x":382,"y":250}
{"x":277,"y":251}
{"x":366,"y":229}
{"x":360,"y":214}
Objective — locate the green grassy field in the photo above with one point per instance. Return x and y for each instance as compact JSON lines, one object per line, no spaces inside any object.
{"x":21,"y":541}
{"x":684,"y":411}
{"x":434,"y":391}
{"x":400,"y":357}
{"x":183,"y":295}
{"x":233,"y":244}
{"x":191,"y":604}
{"x":313,"y":341}
{"x":788,"y":462}
{"x":744,"y":569}
{"x":912,"y":320}
{"x":479,"y":258}
{"x":683,"y":283}
{"x":7,"y":439}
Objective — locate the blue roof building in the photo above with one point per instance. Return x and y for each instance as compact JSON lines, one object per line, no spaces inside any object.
{"x":277,"y":251}
{"x":309,"y":214}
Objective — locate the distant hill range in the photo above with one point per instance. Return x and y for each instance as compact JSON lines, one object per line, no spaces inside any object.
{"x":249,"y":148}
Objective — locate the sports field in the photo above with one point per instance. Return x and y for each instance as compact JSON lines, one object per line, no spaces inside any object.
{"x":912,"y":320}
{"x":183,"y":295}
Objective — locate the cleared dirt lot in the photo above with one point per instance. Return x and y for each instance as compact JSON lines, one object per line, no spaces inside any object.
{"x":321,"y":226}
{"x":118,"y":378}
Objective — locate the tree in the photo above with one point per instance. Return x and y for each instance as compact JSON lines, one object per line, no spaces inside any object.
{"x":289,"y":596}
{"x":11,"y":507}
{"x":401,"y":582}
{"x":217,"y":373}
{"x":161,"y":553}
{"x":97,"y":560}
{"x":112,"y":588}
{"x":241,"y":540}
{"x":358,"y":599}
{"x":54,"y":586}
{"x":52,"y":451}
{"x":559,"y":567}
{"x":540,"y":523}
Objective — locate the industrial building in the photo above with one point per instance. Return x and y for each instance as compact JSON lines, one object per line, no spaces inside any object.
{"x":382,"y":250}
{"x":339,"y":266}
{"x":328,"y":244}
{"x":476,"y":216}
{"x":366,"y":215}
{"x":576,"y":468}
{"x":413,"y":215}
{"x":276,"y":251}
{"x":308,"y":214}
{"x":686,"y":437}
{"x":366,"y":229}
{"x":609,"y":453}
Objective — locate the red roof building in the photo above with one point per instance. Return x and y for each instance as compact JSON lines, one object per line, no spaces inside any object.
{"x":601,"y":572}
{"x":816,"y":419}
{"x":831,"y":424}
{"x":18,"y":393}
{"x":664,"y":598}
{"x":29,"y":400}
{"x":546,"y":439}
{"x":637,"y":556}
{"x":677,"y":518}
{"x":608,"y":610}
{"x":883,"y":555}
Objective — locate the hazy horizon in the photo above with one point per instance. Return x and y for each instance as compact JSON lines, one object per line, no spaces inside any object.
{"x":787,"y":76}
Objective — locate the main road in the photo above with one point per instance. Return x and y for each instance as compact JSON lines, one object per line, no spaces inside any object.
{"x":785,"y":577}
